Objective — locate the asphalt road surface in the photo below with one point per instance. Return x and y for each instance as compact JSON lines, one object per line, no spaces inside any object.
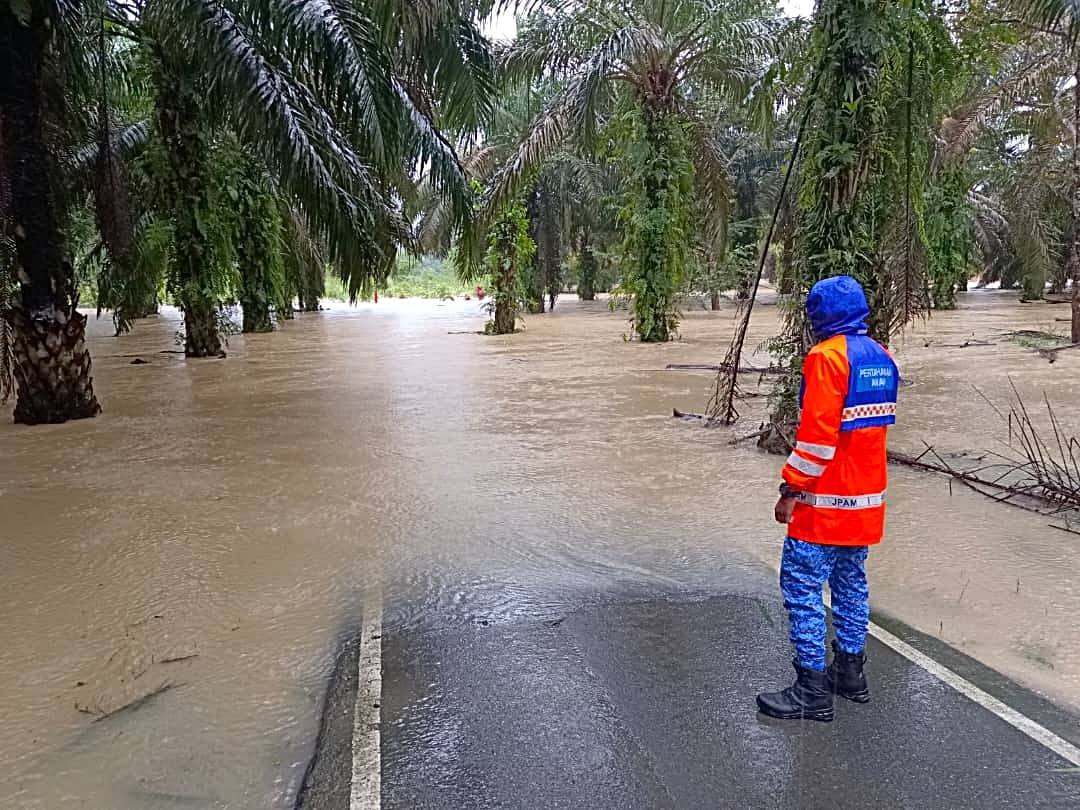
{"x":646,"y":700}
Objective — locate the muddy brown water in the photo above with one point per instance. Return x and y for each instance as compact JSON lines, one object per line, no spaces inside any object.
{"x":215,"y":533}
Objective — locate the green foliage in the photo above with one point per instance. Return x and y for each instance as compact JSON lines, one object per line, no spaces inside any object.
{"x":413,"y":277}
{"x":655,"y":153}
{"x":510,"y":250}
{"x":687,"y":59}
{"x":201,"y":245}
{"x":836,"y":224}
{"x":861,"y":208}
{"x":949,"y":224}
{"x":730,"y":271}
{"x":259,"y":243}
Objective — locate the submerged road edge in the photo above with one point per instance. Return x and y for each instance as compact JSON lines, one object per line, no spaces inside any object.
{"x":366,"y":790}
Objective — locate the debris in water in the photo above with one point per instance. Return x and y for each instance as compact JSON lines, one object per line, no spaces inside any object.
{"x":177,"y":658}
{"x":138,"y":702}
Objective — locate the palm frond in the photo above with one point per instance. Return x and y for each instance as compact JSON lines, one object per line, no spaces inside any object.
{"x":127,"y":141}
{"x":437,"y":221}
{"x":959,"y":130}
{"x":547,"y":44}
{"x":1054,"y":15}
{"x":346,"y":61}
{"x":271,"y":110}
{"x":714,"y":188}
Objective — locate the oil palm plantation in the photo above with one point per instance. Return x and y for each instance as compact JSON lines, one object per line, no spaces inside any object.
{"x":342,"y":103}
{"x":1060,"y":19}
{"x":998,"y":187}
{"x":560,"y":200}
{"x":644,"y":77}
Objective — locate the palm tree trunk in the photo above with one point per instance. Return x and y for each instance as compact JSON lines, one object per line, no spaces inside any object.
{"x":507,"y":258}
{"x":587,"y":259}
{"x":314,"y":288}
{"x":179,"y":120}
{"x":256,"y":313}
{"x":201,"y":336}
{"x":538,"y":232}
{"x":148,"y":307}
{"x":1074,"y":256}
{"x":51,"y":361}
{"x":505,"y":318}
{"x":656,"y":315}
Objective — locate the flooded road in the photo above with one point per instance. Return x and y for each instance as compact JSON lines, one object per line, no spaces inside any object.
{"x":205,"y":545}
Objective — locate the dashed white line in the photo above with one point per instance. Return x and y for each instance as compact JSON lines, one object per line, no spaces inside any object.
{"x":366,"y":789}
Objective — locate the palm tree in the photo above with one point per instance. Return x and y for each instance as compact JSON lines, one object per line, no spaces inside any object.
{"x":864,"y":151}
{"x":647,"y":73}
{"x":342,"y":102}
{"x":560,"y":195}
{"x":1061,"y":20}
{"x":51,"y":362}
{"x":998,"y":181}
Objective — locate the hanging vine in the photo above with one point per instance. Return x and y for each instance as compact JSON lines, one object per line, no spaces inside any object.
{"x":861,"y":208}
{"x":510,"y":250}
{"x":657,"y":216}
{"x":260,"y":247}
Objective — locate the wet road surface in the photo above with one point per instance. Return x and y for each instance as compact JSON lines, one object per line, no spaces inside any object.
{"x":646,"y":700}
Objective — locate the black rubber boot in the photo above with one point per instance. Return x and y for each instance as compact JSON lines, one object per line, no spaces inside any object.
{"x":846,"y":676}
{"x":809,"y":698}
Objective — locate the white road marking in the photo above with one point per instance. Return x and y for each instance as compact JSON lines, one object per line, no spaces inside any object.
{"x":366,"y":789}
{"x":1021,"y":722}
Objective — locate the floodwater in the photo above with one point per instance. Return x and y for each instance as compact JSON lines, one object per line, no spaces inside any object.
{"x":214,"y":535}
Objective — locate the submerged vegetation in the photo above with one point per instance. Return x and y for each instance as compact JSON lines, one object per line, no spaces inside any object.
{"x":215,"y":153}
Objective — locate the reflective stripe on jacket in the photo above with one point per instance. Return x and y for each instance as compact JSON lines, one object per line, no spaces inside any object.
{"x":839,"y":464}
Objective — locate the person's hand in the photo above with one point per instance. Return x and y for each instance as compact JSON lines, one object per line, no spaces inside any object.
{"x":785,"y":508}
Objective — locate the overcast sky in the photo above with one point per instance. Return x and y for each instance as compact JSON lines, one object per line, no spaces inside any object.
{"x":503,"y":27}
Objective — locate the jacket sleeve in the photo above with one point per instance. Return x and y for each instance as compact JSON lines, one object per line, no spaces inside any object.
{"x":826,"y":376}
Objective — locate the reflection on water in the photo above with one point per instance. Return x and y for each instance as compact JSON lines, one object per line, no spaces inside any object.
{"x":208,"y":540}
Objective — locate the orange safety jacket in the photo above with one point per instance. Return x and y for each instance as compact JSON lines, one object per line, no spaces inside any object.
{"x":839,"y":464}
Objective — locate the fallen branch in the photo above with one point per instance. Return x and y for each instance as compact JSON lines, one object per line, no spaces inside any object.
{"x":131,"y":705}
{"x":963,"y":345}
{"x":710,"y":422}
{"x":990,"y":488}
{"x":742,"y":369}
{"x":178,"y":658}
{"x":756,"y":435}
{"x":1042,"y":476}
{"x":1068,"y":529}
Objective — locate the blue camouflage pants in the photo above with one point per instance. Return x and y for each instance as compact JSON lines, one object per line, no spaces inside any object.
{"x":805,"y":569}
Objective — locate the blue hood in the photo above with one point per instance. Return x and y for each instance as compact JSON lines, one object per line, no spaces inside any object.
{"x":837,"y":306}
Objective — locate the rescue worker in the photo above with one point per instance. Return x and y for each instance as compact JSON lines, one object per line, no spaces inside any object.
{"x":833,"y":500}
